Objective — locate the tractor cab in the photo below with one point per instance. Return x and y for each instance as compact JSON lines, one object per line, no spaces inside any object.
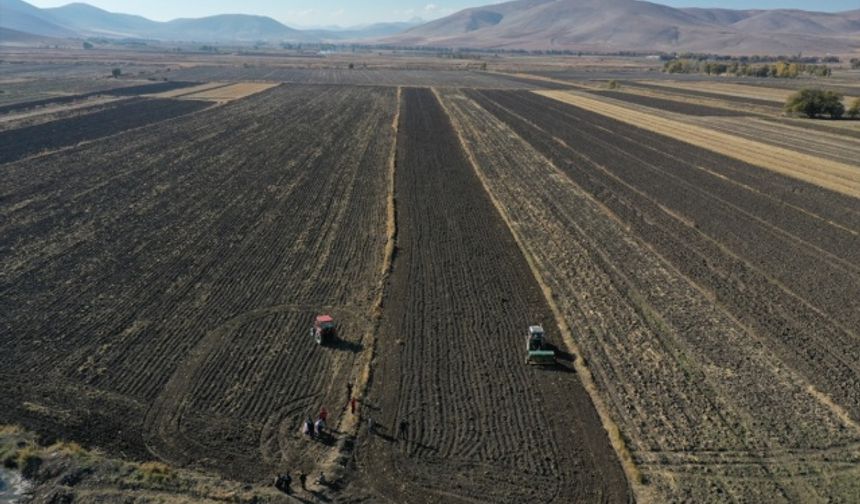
{"x":538,"y":351}
{"x":323,"y":330}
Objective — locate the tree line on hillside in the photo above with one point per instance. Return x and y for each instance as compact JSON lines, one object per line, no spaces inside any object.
{"x":818,"y":102}
{"x":780,"y":69}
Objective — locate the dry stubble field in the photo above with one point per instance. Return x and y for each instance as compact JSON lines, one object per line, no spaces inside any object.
{"x":159,"y":283}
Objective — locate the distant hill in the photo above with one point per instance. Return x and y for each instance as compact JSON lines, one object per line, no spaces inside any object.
{"x":358,"y":33}
{"x":229,"y":27}
{"x":631,"y":25}
{"x":92,"y":21}
{"x":83,"y":20}
{"x":24,"y":18}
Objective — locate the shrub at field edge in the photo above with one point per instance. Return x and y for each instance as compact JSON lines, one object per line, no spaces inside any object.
{"x":815,"y":102}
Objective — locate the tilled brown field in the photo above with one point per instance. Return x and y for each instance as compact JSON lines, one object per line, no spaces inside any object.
{"x":481,"y":425}
{"x":699,"y":287}
{"x":157,"y":289}
{"x":157,"y":285}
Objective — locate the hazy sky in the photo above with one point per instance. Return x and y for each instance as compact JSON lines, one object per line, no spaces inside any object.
{"x":351,"y":12}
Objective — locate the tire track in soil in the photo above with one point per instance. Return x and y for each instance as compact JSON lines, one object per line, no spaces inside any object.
{"x":481,"y":424}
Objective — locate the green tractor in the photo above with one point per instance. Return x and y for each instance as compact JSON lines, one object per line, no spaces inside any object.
{"x":539,"y":351}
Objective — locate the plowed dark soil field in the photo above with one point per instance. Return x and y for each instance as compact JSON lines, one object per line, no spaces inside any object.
{"x":746,"y":312}
{"x":156,"y":290}
{"x":161,"y":262}
{"x":23,"y":142}
{"x":480,"y":424}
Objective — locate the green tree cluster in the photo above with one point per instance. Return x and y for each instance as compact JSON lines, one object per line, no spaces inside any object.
{"x":780,"y":69}
{"x":815,"y":102}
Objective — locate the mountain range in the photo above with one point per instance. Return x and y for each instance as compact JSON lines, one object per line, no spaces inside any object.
{"x":80,"y":20}
{"x":580,"y":25}
{"x":631,"y":25}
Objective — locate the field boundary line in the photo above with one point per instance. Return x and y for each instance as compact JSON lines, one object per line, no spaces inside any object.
{"x":349,"y":424}
{"x":832,"y":175}
{"x":634,"y":476}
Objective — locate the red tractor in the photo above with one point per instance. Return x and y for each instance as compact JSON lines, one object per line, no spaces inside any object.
{"x":323,"y":330}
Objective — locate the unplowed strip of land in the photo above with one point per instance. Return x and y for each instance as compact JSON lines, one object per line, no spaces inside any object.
{"x":23,"y":142}
{"x":52,"y":113}
{"x":479,"y":424}
{"x":825,"y":144}
{"x":759,"y":91}
{"x":710,"y":412}
{"x":662,"y":103}
{"x":695,"y":90}
{"x":114,"y":91}
{"x":829,"y":174}
{"x":668,"y":100}
{"x":27,"y":90}
{"x":807,"y":137}
{"x":231,"y":92}
{"x":187,"y":91}
{"x":157,"y":289}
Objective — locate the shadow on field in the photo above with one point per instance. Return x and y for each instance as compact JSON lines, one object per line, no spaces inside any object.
{"x":347,"y":346}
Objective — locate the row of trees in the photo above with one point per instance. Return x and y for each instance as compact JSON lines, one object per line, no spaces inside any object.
{"x":798,"y":58}
{"x":818,"y":102}
{"x":780,"y":69}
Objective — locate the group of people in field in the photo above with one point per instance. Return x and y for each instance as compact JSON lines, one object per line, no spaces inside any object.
{"x":316,"y":428}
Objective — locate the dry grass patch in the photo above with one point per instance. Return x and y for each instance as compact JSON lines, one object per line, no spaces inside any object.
{"x":232,"y":91}
{"x":188,"y":91}
{"x":740,"y":90}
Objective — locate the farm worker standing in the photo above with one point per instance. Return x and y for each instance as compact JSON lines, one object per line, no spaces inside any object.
{"x":401,"y":431}
{"x":319,"y":426}
{"x":308,"y":428}
{"x":352,"y":405}
{"x":323,"y":414}
{"x":303,"y":478}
